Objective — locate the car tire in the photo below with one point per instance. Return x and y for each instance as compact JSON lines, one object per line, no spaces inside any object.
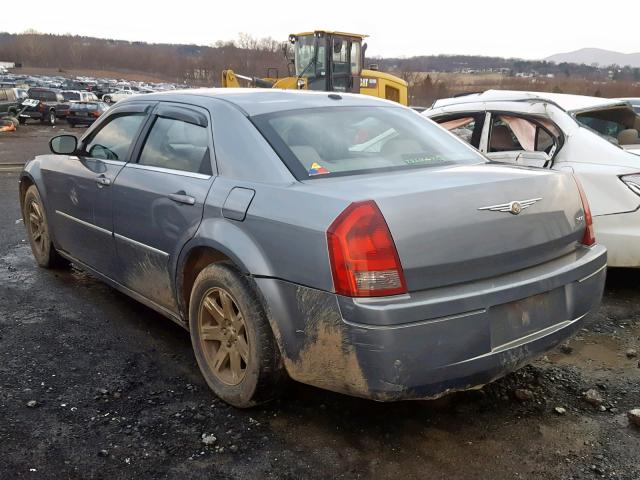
{"x":106,"y":99}
{"x":38,"y":233}
{"x":229,"y":328}
{"x":22,"y":121}
{"x":51,"y":118}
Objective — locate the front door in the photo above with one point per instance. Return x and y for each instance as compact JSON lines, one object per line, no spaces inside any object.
{"x":159,"y":198}
{"x":82,"y":194}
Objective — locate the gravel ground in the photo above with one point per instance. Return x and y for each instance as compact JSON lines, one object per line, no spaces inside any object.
{"x":94,"y":385}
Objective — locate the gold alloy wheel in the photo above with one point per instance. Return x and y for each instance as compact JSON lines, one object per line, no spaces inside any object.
{"x":223,"y":336}
{"x":37,"y":226}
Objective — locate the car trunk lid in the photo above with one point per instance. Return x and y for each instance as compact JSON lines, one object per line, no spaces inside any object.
{"x":466,"y":223}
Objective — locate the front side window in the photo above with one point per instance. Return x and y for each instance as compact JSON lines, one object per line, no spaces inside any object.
{"x":177,"y":145}
{"x":113,"y":141}
{"x":467,"y":128}
{"x":350,"y":140}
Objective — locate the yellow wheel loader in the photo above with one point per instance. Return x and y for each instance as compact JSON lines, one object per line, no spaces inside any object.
{"x":330,"y":62}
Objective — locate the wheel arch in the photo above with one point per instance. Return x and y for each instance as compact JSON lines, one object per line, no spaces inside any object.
{"x":205,"y":249}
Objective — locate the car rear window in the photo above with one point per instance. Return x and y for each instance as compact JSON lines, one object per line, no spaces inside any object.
{"x":320,"y":142}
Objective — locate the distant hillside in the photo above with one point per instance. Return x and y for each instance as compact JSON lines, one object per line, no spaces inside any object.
{"x":603,"y":58}
{"x":201,"y":65}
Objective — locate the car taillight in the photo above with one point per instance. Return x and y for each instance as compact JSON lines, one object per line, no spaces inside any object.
{"x":364,"y":259}
{"x":95,"y":114}
{"x":42,"y":107}
{"x":589,"y":237}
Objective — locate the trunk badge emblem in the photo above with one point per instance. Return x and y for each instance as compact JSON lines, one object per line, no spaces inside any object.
{"x":514,"y":207}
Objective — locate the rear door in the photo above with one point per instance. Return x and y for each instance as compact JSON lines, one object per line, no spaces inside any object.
{"x":81,"y":188}
{"x":159,"y":198}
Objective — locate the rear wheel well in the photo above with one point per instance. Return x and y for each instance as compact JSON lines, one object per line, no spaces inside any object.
{"x":198,"y":259}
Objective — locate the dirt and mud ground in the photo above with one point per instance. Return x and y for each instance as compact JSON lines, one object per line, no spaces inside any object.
{"x":118,"y":394}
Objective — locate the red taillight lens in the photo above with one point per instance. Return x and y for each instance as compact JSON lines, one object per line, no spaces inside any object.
{"x":589,"y":237}
{"x":364,"y":260}
{"x":95,"y":114}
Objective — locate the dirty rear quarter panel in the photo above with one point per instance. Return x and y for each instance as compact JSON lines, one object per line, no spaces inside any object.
{"x":283,"y":235}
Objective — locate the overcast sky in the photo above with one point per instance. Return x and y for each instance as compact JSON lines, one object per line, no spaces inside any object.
{"x":493,"y":27}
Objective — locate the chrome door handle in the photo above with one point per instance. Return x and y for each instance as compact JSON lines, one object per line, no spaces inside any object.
{"x":182,"y":198}
{"x":103,"y":181}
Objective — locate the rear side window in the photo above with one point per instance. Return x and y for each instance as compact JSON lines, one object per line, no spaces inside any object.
{"x":511,"y":133}
{"x":177,"y":145}
{"x":350,"y":140}
{"x":113,"y":141}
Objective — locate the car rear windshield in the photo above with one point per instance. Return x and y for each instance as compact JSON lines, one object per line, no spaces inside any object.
{"x":320,"y":142}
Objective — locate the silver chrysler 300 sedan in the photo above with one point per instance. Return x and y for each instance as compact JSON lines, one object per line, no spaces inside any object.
{"x":340,"y":240}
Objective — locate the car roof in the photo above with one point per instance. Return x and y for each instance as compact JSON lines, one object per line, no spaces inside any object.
{"x":570,"y":103}
{"x":256,"y":101}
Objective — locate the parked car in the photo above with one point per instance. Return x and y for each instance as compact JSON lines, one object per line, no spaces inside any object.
{"x":9,"y":103}
{"x":596,"y":138}
{"x":49,"y":106}
{"x":78,"y":96}
{"x":102,"y":89}
{"x":117,"y":96}
{"x":85,"y":113}
{"x":346,"y":242}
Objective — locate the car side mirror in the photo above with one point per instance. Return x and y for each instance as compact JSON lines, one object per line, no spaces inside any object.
{"x":63,"y":144}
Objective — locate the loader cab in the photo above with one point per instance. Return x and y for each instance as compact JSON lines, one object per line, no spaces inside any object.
{"x":328,"y":61}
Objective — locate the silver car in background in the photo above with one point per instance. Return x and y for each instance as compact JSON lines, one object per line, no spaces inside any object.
{"x":343,"y":241}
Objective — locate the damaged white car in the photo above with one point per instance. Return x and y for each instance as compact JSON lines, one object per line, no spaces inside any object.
{"x":595,"y":138}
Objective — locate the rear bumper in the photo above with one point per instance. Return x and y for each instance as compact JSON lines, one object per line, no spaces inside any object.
{"x":426,"y":344}
{"x":620,"y":234}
